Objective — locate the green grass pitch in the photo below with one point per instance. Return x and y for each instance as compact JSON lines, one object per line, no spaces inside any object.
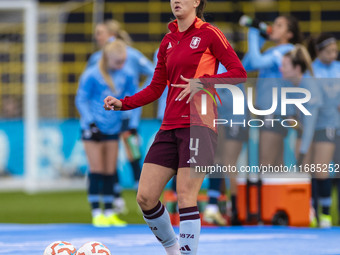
{"x":71,"y":207}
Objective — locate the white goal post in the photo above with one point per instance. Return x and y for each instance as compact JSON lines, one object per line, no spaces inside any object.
{"x":30,"y":10}
{"x":39,"y":139}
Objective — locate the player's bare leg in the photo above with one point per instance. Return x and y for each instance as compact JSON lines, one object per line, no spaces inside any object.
{"x":270,"y":147}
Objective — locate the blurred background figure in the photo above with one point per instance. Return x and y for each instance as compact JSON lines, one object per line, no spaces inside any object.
{"x":100,"y":129}
{"x":284,"y":34}
{"x":297,"y":69}
{"x":231,"y":139}
{"x":325,"y":52}
{"x":105,"y":32}
{"x":139,"y":67}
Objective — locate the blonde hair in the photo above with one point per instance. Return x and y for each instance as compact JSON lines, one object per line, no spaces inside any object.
{"x":300,"y":57}
{"x":114,"y":29}
{"x":117,"y":47}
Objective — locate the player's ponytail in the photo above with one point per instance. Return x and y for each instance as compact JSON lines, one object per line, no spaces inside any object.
{"x":311,"y":47}
{"x":116,"y":47}
{"x":115,"y":30}
{"x":300,"y":57}
{"x":200,"y":9}
{"x":319,"y":43}
{"x":294,"y":28}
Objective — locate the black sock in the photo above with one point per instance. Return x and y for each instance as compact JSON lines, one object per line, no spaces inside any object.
{"x":213,"y":200}
{"x":233,"y":204}
{"x":95,"y":183}
{"x":136,"y":169}
{"x":214,"y":190}
{"x":338,"y":188}
{"x":108,"y":191}
{"x":173,"y":185}
{"x":116,"y":187}
{"x":325,"y":190}
{"x":315,"y":196}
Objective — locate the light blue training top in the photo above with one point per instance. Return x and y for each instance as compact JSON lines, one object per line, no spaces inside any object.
{"x":136,"y":65}
{"x":268,"y":64}
{"x":225,"y":111}
{"x":90,"y":99}
{"x":314,"y":106}
{"x":329,"y":83}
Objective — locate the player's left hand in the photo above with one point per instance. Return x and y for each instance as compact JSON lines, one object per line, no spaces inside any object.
{"x":192,"y":87}
{"x":112,"y":103}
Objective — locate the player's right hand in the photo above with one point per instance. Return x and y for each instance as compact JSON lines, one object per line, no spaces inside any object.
{"x":112,"y":103}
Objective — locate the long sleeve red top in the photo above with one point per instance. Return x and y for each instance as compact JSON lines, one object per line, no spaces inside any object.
{"x":194,"y":53}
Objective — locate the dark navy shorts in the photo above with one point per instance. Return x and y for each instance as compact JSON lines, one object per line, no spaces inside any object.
{"x":237,"y":133}
{"x":183,"y":147}
{"x":86,"y":136}
{"x":325,"y":135}
{"x":125,"y":125}
{"x":276,"y":128}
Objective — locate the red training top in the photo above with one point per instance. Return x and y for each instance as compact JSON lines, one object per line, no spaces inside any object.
{"x":194,"y":53}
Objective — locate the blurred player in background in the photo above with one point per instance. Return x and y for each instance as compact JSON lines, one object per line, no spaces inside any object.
{"x":193,"y":48}
{"x":101,"y":129}
{"x":297,"y":69}
{"x":138,"y":66}
{"x":232,"y":141}
{"x":285,"y":33}
{"x":325,"y":49}
{"x":105,"y":32}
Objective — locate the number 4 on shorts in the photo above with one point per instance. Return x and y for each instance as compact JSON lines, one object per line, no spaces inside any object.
{"x":194,"y":147}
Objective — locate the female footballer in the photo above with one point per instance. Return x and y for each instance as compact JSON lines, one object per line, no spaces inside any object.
{"x":325,"y":51}
{"x":188,"y":56}
{"x":285,"y":33}
{"x":100,"y":129}
{"x":138,"y":66}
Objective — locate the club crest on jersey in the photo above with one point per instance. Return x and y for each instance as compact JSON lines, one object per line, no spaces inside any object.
{"x":195,"y":42}
{"x":169,"y":46}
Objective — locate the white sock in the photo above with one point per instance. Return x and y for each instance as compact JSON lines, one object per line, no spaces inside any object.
{"x":189,"y":230}
{"x":158,"y":221}
{"x":173,"y":250}
{"x":108,"y":212}
{"x":96,"y":212}
{"x":212,"y":207}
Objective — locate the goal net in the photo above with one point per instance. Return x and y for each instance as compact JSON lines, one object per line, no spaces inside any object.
{"x":39,"y":145}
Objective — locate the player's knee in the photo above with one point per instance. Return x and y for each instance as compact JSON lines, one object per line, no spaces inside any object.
{"x":141,"y":199}
{"x":145,"y":201}
{"x":186,"y":198}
